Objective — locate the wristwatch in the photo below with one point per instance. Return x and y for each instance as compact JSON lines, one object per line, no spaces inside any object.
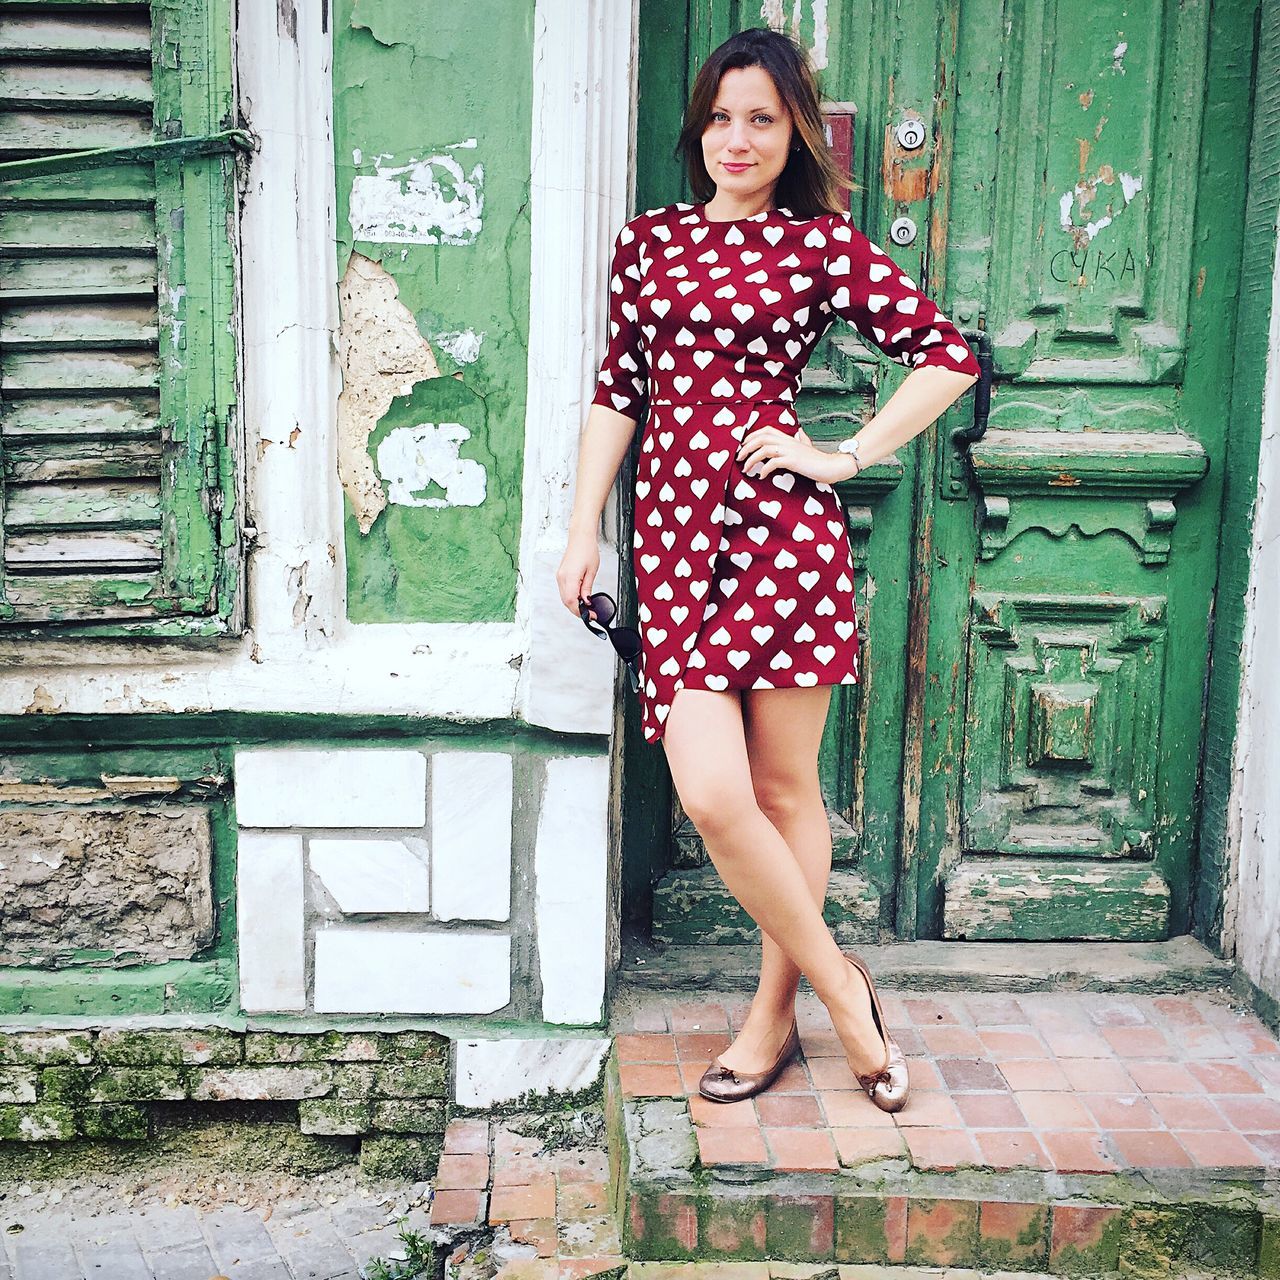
{"x":851,"y":446}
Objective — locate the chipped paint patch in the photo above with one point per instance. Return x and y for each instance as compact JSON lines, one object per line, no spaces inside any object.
{"x":431,"y":200}
{"x":1082,"y":195}
{"x":462,"y":344}
{"x":413,"y":460}
{"x":383,"y":356}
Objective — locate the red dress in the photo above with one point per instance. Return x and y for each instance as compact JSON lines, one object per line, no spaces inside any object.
{"x":743,"y":583}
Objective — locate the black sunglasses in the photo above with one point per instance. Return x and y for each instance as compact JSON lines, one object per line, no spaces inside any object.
{"x":626,"y":640}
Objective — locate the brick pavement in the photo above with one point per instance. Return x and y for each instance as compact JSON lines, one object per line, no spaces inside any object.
{"x":1069,"y":1082}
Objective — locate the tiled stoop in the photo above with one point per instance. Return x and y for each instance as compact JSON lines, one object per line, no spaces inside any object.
{"x":1051,"y":1132}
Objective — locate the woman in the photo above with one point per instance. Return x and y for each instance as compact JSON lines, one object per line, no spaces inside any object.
{"x":744,"y":572}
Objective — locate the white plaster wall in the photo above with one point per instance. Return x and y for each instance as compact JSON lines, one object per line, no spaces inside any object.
{"x":1252,"y":924}
{"x":299,"y":652}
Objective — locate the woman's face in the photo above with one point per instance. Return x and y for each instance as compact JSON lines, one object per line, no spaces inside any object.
{"x":747,"y":140}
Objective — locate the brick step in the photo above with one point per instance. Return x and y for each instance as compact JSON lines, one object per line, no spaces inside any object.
{"x":1055,"y":1133}
{"x":1179,"y":965}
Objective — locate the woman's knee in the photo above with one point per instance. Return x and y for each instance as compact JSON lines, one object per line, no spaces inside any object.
{"x":714,"y":807}
{"x":783,"y":798}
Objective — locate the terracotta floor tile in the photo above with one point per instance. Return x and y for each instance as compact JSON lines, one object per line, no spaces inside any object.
{"x":855,"y":1146}
{"x":1201,"y":1042}
{"x":802,"y":1150}
{"x":1054,"y":1110}
{"x":1253,"y":1042}
{"x":1033,"y":1073}
{"x":1013,"y":1044}
{"x":930,"y":1013}
{"x":831,"y":1073}
{"x":852,"y":1109}
{"x":698,"y":1017}
{"x":941,"y":1148}
{"x":1077,"y":1044}
{"x":994,"y":1011}
{"x":458,"y":1171}
{"x":1251,"y":1115}
{"x":970,"y":1073}
{"x":1267,"y":1068}
{"x":1223,"y":1077}
{"x":531,"y":1200}
{"x":722,"y":1115}
{"x":908,"y":1039}
{"x":1162,"y":1077}
{"x":952,"y":1040}
{"x":702,"y":1045}
{"x":455,"y":1207}
{"x":690,"y":1072}
{"x":1179,"y":1010}
{"x":1120,"y":1110}
{"x":793,"y":1078}
{"x":1221,"y":1150}
{"x":645,"y":1048}
{"x":1050,"y":1013}
{"x":650,"y":1080}
{"x":1268,"y":1144}
{"x":508,"y":1144}
{"x":1097,"y":1075}
{"x":923,"y":1074}
{"x":1186,"y":1111}
{"x":467,"y":1137}
{"x":821,"y":1044}
{"x":540,"y":1232}
{"x":928,"y":1109}
{"x":731,"y":1146}
{"x":1118,"y":1013}
{"x":1011,"y":1149}
{"x":1138,"y":1042}
{"x":581,"y":1166}
{"x":789,"y":1111}
{"x":1150,"y":1149}
{"x":895,"y":1010}
{"x":990,"y":1111}
{"x":576,"y":1200}
{"x":511,"y":1171}
{"x":1077,"y":1151}
{"x":651,"y":1018}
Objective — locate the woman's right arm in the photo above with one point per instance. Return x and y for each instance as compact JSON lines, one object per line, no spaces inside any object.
{"x":611,"y":422}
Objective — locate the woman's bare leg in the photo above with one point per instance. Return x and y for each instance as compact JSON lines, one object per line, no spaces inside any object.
{"x":783,"y":733}
{"x":706,"y":747}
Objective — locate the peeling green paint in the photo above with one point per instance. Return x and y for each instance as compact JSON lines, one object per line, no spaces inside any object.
{"x":451,"y":563}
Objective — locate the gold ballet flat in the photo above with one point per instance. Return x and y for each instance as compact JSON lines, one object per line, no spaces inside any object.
{"x":888,"y":1087}
{"x":724,"y":1084}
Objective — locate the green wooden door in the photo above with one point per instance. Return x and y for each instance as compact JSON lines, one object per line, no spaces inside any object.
{"x":1021,"y":759}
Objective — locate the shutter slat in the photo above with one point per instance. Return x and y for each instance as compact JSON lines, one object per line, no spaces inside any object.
{"x":49,"y":231}
{"x":37,"y":84}
{"x":79,"y":326}
{"x":71,"y":373}
{"x":125,"y":38}
{"x":118,"y":505}
{"x":67,"y":460}
{"x":36,"y":133}
{"x":81,"y":597}
{"x":122,"y":552}
{"x":38,"y":418}
{"x":27,"y":279}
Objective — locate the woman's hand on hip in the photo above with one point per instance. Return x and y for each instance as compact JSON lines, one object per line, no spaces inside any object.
{"x":765,"y":449}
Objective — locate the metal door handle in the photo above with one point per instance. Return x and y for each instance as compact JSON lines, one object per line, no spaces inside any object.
{"x":963,"y":437}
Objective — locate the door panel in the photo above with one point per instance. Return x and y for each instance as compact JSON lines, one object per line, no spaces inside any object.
{"x":1021,"y":758}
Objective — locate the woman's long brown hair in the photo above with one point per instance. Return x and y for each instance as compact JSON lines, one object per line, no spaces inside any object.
{"x":811,"y":183}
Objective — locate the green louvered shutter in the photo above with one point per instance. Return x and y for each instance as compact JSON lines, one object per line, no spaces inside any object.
{"x":116,"y":293}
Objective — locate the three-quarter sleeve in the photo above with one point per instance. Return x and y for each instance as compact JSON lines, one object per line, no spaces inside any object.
{"x":866,"y":287}
{"x":622,"y":381}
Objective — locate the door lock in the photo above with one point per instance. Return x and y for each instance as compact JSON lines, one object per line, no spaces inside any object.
{"x":903,"y":230}
{"x":910,"y":135}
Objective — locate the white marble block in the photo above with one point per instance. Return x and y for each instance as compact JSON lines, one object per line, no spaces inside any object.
{"x":367,"y":970}
{"x":471,"y":835}
{"x":496,"y":1071}
{"x":300,"y":787}
{"x":269,"y":922}
{"x":373,"y":875}
{"x":570,"y":866}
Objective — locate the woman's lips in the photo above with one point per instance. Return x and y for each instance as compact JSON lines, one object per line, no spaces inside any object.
{"x":736,"y":168}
